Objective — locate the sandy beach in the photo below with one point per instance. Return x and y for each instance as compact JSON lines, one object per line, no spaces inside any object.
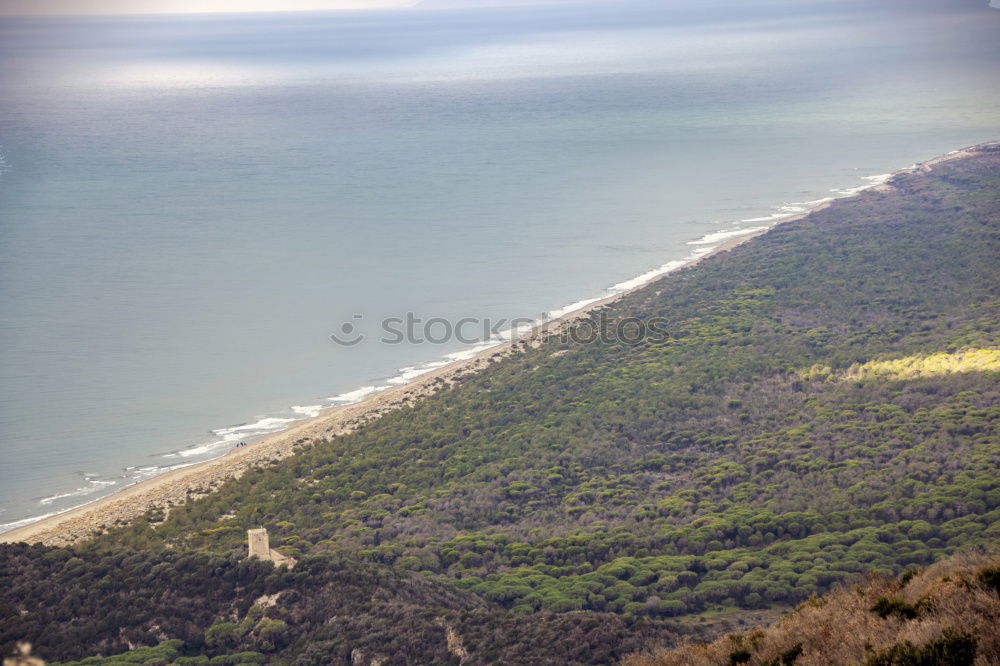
{"x":175,"y":486}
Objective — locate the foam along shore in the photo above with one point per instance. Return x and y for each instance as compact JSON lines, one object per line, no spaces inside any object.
{"x":353,"y":409}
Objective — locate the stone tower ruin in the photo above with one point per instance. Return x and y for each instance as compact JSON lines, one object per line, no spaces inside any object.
{"x":259,"y":545}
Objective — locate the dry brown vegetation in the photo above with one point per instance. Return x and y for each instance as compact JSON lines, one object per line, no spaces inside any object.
{"x":946,"y":614}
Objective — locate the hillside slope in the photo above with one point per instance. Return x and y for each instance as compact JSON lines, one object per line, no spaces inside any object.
{"x":947,"y":614}
{"x":825,"y":402}
{"x":328,"y":609}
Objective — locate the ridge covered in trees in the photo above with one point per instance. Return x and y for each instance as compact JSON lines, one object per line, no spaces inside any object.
{"x":826,"y":403}
{"x":198,"y":607}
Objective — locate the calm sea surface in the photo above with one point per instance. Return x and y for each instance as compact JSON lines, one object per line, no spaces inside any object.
{"x":189,"y":207}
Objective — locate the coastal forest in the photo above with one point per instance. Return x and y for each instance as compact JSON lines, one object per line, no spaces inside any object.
{"x":824,"y":406}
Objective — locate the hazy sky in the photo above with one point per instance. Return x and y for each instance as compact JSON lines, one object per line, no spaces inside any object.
{"x":15,"y":7}
{"x":35,"y":7}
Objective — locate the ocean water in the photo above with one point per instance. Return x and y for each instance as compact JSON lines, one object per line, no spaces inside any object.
{"x":191,"y":206}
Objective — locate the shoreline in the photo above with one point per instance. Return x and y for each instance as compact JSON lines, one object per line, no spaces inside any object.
{"x":176,"y":485}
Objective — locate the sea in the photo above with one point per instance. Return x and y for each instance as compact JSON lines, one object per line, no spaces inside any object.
{"x":192,"y":207}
